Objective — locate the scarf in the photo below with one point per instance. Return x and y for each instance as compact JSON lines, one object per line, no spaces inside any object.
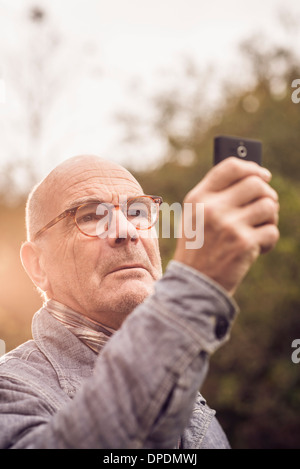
{"x":91,"y":332}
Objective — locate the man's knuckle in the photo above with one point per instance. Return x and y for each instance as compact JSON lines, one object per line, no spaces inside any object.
{"x":213,"y":217}
{"x":268,"y":206}
{"x":274,"y":234}
{"x":192,"y":196}
{"x":233,"y":233}
{"x":232,"y":164}
{"x":256,"y":182}
{"x":245,"y":242}
{"x":209,"y":211}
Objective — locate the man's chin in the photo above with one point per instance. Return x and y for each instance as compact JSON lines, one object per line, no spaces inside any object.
{"x":132,"y":283}
{"x":134,"y":290}
{"x":122,"y":297}
{"x":131,"y":300}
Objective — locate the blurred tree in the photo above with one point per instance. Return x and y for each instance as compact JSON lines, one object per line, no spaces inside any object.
{"x":39,"y":68}
{"x":34,"y":84}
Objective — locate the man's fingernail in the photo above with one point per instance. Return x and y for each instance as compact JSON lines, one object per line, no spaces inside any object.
{"x":266,"y":173}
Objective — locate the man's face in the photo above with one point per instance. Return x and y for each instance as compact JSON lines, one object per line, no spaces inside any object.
{"x":102,"y":278}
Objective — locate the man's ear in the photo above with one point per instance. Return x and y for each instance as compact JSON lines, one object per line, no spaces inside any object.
{"x":31,"y":260}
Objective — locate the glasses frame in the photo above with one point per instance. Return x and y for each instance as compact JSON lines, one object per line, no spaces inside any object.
{"x":72,"y":212}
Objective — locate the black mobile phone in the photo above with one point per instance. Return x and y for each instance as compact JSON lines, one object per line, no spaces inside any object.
{"x":243,"y":148}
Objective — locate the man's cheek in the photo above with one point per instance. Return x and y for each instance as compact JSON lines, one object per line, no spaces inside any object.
{"x":86,"y":266}
{"x":151,"y":246}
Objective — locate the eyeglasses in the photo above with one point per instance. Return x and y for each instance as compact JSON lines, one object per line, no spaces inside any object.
{"x":94,"y":218}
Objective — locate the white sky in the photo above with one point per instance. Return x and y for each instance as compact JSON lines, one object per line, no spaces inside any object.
{"x":130,"y":39}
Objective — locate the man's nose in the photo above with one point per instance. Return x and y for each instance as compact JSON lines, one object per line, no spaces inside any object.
{"x":120,"y":230}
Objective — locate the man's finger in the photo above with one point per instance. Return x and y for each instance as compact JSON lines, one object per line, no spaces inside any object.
{"x":248,"y":190}
{"x":264,"y":210}
{"x":266,"y":237}
{"x":231,"y":171}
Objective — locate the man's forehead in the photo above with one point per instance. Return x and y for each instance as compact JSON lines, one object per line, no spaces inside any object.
{"x":103,"y":180}
{"x":85,"y":177}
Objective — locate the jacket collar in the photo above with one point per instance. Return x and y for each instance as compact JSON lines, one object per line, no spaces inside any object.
{"x":71,"y":359}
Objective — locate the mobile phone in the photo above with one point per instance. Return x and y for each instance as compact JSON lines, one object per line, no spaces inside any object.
{"x":242,"y":148}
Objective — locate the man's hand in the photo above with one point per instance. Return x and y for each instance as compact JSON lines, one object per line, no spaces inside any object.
{"x":240,"y":221}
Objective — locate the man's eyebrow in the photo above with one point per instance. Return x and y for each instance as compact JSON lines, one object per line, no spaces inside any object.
{"x":83,"y":200}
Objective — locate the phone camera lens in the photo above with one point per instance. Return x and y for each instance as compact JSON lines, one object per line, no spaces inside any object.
{"x":242,"y":151}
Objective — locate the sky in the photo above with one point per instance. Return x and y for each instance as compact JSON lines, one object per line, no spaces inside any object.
{"x":112,"y":51}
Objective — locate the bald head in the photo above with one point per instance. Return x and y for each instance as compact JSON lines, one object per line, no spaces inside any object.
{"x":48,"y":197}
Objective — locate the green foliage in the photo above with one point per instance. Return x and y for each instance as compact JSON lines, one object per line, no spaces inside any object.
{"x":253,"y":382}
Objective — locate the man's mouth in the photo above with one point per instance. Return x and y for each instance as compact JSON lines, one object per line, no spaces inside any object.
{"x":128,"y":267}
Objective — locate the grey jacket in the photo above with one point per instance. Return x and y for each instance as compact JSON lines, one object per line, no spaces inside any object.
{"x":142,"y":391}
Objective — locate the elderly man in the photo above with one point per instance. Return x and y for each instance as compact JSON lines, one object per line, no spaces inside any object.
{"x":120,"y":351}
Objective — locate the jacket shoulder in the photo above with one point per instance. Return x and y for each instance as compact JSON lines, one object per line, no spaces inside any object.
{"x":27,"y":367}
{"x":22,"y":357}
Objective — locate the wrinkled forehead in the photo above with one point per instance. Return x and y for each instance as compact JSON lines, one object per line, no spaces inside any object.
{"x":93,"y":179}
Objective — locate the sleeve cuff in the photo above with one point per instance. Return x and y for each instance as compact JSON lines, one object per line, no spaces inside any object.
{"x":199,"y":303}
{"x":197,"y":275}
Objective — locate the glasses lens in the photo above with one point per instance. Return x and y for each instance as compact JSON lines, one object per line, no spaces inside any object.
{"x":142,"y":212}
{"x":92,"y":219}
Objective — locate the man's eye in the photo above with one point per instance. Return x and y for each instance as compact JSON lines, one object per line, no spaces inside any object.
{"x":137,"y":212}
{"x":89,"y":217}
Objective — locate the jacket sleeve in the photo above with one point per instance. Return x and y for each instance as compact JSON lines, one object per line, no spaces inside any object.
{"x":145,"y":381}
